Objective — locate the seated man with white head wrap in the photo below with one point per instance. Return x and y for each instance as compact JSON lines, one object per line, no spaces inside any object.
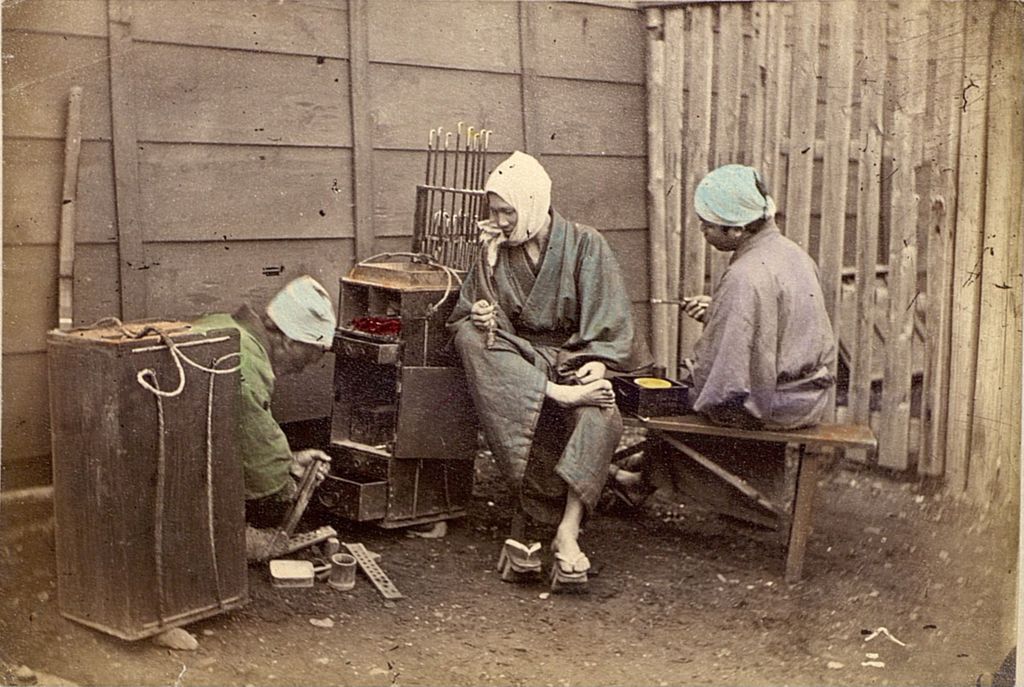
{"x":540,"y":319}
{"x":295,"y":330}
{"x":763,"y":357}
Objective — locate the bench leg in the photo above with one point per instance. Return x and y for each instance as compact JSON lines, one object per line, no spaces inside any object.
{"x":808,"y":469}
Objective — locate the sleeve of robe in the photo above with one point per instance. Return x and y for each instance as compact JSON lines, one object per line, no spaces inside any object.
{"x":734,"y":369}
{"x":604,"y":329}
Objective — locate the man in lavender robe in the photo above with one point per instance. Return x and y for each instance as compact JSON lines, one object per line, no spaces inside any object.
{"x":541,"y":318}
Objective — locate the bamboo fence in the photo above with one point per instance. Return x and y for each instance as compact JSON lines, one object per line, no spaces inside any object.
{"x":891,"y":137}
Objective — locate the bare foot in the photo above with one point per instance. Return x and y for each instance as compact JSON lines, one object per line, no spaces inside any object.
{"x":598,"y":393}
{"x":569,"y":556}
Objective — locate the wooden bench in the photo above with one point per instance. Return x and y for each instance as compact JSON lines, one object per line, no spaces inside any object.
{"x":808,"y":465}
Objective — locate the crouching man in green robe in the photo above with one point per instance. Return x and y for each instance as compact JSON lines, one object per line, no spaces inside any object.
{"x":294,"y":332}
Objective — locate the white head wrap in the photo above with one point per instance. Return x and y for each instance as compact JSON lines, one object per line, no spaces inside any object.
{"x":520,"y":181}
{"x":729,"y":197}
{"x":303,"y":311}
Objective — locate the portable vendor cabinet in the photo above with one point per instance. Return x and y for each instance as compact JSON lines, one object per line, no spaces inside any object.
{"x":148,"y":497}
{"x":403,"y":428}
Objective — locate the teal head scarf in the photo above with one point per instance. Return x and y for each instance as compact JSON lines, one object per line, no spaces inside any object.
{"x":730,"y":196}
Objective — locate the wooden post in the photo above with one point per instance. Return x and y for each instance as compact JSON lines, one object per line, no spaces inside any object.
{"x":994,"y":478}
{"x":532,"y":132}
{"x":656,"y":185}
{"x":808,"y":469}
{"x":69,"y":198}
{"x":675,"y":44}
{"x":968,"y":244}
{"x":729,"y":54}
{"x":777,"y":97}
{"x":756,"y":71}
{"x":948,"y":20}
{"x":697,"y":140}
{"x":839,"y":83}
{"x":908,"y":117}
{"x":362,"y":133}
{"x":130,"y":232}
{"x":802,"y":119}
{"x":869,"y":185}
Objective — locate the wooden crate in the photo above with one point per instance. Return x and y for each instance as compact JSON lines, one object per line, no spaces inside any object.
{"x":145,"y":539}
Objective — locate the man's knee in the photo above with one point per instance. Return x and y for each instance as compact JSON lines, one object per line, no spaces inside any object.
{"x":608,"y":419}
{"x":469,"y":339}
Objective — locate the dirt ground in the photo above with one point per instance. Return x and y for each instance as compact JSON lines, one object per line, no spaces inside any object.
{"x":689,"y":598}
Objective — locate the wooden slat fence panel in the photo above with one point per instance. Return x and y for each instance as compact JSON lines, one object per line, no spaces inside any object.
{"x":725,"y":144}
{"x":675,"y":205}
{"x":868,"y":211}
{"x":908,"y":111}
{"x":657,"y":239}
{"x":697,"y":139}
{"x":802,"y":120}
{"x":996,"y":420}
{"x":947,"y":50}
{"x":968,"y":245}
{"x":839,"y":75}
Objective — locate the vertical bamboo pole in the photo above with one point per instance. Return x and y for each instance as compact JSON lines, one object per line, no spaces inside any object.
{"x":907,"y":119}
{"x":697,"y":140}
{"x":869,"y":184}
{"x":675,"y":44}
{"x":776,"y":97}
{"x":802,"y":119}
{"x":69,"y":199}
{"x":656,"y":184}
{"x":362,"y":127}
{"x":947,"y":49}
{"x":729,"y":58}
{"x":970,"y":211}
{"x":839,"y":75}
{"x":756,"y":70}
{"x":131,"y":244}
{"x":994,"y":476}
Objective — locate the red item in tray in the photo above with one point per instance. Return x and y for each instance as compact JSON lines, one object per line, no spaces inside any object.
{"x":384,"y":326}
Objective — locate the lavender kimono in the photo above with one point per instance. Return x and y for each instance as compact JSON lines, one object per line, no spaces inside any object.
{"x":569,"y":309}
{"x":763,"y":357}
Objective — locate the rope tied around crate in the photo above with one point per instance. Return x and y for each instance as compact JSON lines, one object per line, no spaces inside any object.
{"x":153,"y":387}
{"x":427,"y":259}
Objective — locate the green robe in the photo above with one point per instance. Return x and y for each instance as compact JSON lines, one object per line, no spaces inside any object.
{"x":266,"y":456}
{"x":569,"y":309}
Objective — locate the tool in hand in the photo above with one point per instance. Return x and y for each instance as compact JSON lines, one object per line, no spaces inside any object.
{"x":291,"y":519}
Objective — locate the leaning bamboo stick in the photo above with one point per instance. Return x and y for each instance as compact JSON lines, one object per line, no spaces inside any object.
{"x":69,"y":199}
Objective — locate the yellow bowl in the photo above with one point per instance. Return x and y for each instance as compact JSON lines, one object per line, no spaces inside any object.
{"x":652,"y":383}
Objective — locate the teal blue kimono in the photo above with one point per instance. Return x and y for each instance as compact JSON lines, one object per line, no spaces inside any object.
{"x":569,"y":309}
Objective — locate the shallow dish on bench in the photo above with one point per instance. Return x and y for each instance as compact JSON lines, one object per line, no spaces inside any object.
{"x":646,"y":396}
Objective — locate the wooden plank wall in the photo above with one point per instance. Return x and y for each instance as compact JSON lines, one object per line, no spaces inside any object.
{"x":232,"y":147}
{"x":874,"y":125}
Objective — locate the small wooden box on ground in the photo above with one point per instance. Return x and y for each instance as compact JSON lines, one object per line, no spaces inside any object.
{"x":149,"y":507}
{"x":650,"y":396}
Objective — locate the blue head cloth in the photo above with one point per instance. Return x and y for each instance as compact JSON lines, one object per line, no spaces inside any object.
{"x":729,"y":197}
{"x":303,"y":311}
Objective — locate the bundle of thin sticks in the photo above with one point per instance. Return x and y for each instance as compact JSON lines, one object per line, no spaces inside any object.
{"x":453,"y":186}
